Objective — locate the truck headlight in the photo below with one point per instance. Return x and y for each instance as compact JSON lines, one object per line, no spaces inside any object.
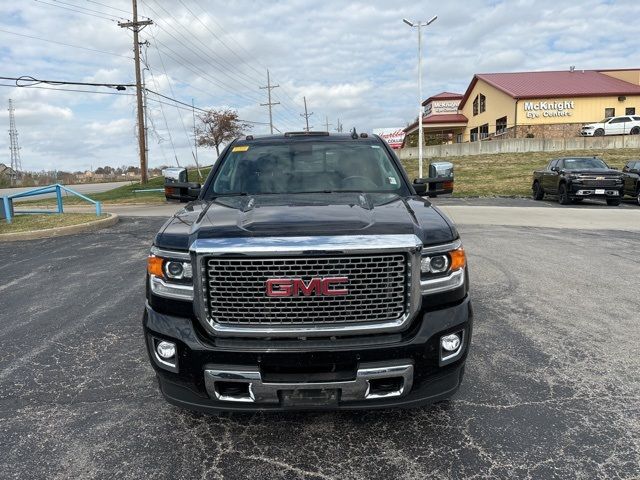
{"x":170,"y":274}
{"x":442,"y":268}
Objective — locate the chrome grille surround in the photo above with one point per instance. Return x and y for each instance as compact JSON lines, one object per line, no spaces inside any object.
{"x":286,"y":251}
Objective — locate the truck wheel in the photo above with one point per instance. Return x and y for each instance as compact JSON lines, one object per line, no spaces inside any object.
{"x":598,"y":133}
{"x":538,"y":192}
{"x":613,"y":202}
{"x":563,"y":195}
{"x":635,"y":131}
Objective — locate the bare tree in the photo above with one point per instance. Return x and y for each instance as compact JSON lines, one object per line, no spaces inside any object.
{"x":219,"y":126}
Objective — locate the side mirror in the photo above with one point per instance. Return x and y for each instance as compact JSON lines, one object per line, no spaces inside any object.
{"x":193,"y":192}
{"x":420,"y":187}
{"x":555,"y":169}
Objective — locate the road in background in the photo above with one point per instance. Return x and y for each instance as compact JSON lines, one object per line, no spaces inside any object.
{"x":551,"y":387}
{"x":83,"y":188}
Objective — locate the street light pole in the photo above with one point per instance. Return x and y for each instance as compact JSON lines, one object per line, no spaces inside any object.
{"x":419,"y":24}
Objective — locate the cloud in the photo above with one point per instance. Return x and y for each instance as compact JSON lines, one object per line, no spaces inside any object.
{"x":355,"y":61}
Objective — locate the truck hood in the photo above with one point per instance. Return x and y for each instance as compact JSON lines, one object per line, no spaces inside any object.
{"x":306,"y":214}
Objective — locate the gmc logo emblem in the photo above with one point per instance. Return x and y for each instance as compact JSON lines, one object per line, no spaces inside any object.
{"x":294,"y":287}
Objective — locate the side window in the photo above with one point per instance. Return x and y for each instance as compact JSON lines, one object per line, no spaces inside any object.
{"x":619,"y":120}
{"x":483,"y":103}
{"x":475,"y":106}
{"x":552,"y":164}
{"x":637,"y":119}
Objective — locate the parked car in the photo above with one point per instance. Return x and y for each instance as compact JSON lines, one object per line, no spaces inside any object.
{"x":574,"y":178}
{"x":628,"y":124}
{"x":631,"y":177}
{"x":308,"y":273}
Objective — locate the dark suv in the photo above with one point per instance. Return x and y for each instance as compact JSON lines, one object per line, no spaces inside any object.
{"x":307,"y":274}
{"x":573,"y":179}
{"x":631,"y":172}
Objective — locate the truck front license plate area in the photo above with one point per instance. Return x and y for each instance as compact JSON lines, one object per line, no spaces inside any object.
{"x":373,"y":381}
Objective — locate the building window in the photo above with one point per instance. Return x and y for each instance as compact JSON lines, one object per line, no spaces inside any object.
{"x":483,"y":103}
{"x":475,"y":106}
{"x":474,"y":134}
{"x":501,"y":125}
{"x":630,"y":111}
{"x":609,"y":112}
{"x":479,"y":104}
{"x":484,"y":131}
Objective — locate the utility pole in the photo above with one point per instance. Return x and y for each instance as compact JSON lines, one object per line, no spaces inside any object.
{"x":339,"y":127}
{"x":136,"y":26}
{"x":13,"y":144}
{"x":305,"y":114}
{"x":326,"y":121}
{"x":269,"y":104}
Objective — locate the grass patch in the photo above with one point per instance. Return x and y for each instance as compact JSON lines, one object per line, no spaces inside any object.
{"x":510,"y":174}
{"x":26,"y":223}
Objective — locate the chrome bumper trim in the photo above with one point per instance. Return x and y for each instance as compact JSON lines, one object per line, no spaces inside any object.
{"x":350,"y":391}
{"x":159,"y":252}
{"x":170,"y":290}
{"x":442,"y":284}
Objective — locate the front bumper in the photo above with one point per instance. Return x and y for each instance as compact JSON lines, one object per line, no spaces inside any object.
{"x":316,"y":373}
{"x":577,"y":190}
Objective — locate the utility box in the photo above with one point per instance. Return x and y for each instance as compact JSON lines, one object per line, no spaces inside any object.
{"x":177,"y":185}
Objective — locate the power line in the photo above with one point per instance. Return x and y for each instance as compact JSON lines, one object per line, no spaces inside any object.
{"x":67,"y":90}
{"x":64,"y":44}
{"x":76,"y":11}
{"x":109,"y":6}
{"x":224,"y":65}
{"x":35,"y":81}
{"x":88,"y":9}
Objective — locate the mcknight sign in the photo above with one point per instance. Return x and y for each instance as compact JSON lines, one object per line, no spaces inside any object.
{"x":549,"y":108}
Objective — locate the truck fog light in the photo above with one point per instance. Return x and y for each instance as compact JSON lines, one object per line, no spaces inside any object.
{"x":166,"y":350}
{"x":451,"y":342}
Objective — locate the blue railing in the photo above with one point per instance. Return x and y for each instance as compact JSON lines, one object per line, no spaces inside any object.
{"x":9,"y":212}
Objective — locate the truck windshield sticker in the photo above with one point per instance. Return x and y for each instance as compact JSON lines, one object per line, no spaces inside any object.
{"x":240,"y":148}
{"x":392,"y":181}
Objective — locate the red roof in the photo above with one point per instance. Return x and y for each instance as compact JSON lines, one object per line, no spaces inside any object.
{"x":444,"y":118}
{"x":444,"y":96}
{"x":579,"y":83}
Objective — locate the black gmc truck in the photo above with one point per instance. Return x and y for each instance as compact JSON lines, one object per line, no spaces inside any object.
{"x":573,"y":179}
{"x":309,"y":273}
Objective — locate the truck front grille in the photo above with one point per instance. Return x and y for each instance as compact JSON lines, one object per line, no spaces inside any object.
{"x":599,"y":183}
{"x":236,"y":289}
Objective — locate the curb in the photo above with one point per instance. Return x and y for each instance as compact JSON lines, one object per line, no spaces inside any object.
{"x":112,"y":219}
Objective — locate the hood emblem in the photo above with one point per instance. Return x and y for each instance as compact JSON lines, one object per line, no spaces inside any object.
{"x":295,"y":287}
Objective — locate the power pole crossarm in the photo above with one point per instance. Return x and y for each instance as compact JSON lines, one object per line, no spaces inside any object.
{"x":136,"y":26}
{"x":269,"y":103}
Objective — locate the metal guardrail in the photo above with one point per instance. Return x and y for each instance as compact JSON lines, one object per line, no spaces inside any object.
{"x":7,"y":201}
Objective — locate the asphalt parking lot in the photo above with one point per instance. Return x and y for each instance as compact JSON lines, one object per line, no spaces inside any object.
{"x":551,"y":389}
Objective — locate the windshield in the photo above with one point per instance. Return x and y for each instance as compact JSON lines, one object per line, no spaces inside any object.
{"x":605,"y":120}
{"x":583,"y":163}
{"x":307,"y":166}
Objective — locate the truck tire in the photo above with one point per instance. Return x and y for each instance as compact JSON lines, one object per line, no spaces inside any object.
{"x":635,"y":131}
{"x":613,"y":202}
{"x":538,"y":192}
{"x":563,"y":195}
{"x":599,"y":133}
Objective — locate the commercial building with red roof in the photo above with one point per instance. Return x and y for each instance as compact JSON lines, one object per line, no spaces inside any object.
{"x":546,"y":104}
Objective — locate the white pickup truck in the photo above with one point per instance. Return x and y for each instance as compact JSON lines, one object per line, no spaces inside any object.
{"x":628,"y":124}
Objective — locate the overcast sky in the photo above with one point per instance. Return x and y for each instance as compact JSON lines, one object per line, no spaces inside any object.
{"x":355,"y":61}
